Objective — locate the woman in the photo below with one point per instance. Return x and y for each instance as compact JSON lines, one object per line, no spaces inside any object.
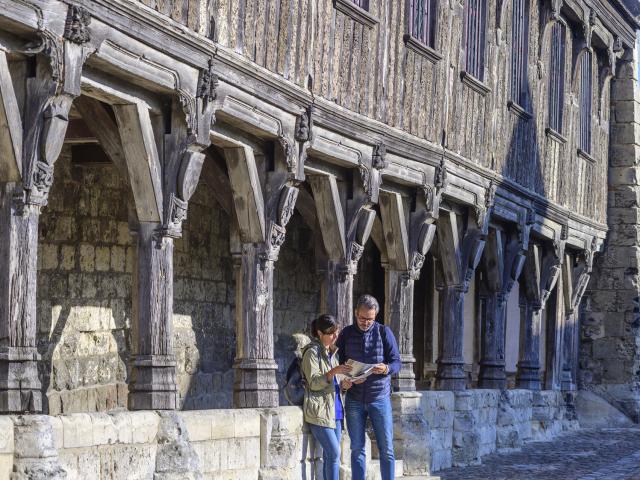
{"x":322,"y":403}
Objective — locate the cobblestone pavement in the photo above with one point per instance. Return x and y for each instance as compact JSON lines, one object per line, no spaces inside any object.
{"x":604,"y":454}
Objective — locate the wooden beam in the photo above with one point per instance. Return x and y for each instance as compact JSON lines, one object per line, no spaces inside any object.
{"x":247,"y":193}
{"x":394,"y":225}
{"x":104,"y":129}
{"x":143,"y":163}
{"x":218,"y":181}
{"x":10,"y":127}
{"x":330,"y":214}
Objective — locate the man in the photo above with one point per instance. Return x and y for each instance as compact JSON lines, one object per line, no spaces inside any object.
{"x":370,"y":342}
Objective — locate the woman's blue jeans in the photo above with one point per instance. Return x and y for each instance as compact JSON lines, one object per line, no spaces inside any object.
{"x":381,"y":416}
{"x":329,"y":438}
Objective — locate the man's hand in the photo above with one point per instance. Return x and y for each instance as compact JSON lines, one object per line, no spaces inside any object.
{"x":346,"y":384}
{"x":381,"y":369}
{"x":358,"y":382}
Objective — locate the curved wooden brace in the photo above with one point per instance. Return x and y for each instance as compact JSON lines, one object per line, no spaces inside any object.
{"x":394,"y":225}
{"x":143,"y":162}
{"x":10,"y":127}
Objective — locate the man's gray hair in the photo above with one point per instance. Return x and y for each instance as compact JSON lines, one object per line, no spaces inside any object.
{"x":369,"y":302}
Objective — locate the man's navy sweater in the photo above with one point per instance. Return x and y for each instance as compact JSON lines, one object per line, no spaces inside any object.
{"x":376,"y":345}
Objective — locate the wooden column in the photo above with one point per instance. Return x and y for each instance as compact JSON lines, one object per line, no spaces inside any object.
{"x":576,"y":273}
{"x":263,"y":206}
{"x":30,"y":143}
{"x":255,"y":383}
{"x":408,"y":236}
{"x":162,"y":184}
{"x":503,"y":259}
{"x":345,"y":229}
{"x":460,"y":244}
{"x":541,"y":270}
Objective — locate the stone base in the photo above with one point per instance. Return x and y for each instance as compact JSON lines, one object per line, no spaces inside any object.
{"x":451,"y":376}
{"x":474,"y":426}
{"x":35,"y":456}
{"x":153,"y":383}
{"x":410,"y":433}
{"x":492,"y":376}
{"x":528,"y":376}
{"x":625,"y":397}
{"x":255,"y":384}
{"x":20,"y":388}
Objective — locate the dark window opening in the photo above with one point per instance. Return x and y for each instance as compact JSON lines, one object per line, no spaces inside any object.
{"x":364,"y":4}
{"x":520,"y":46}
{"x":475,"y":26}
{"x":586,"y":89}
{"x":421,"y":21}
{"x":556,"y":77}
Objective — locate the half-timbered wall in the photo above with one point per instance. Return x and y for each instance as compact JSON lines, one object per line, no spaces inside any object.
{"x":372,"y":71}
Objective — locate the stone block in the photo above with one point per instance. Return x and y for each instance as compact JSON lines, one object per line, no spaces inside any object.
{"x":6,"y":435}
{"x":199,"y":425}
{"x":144,"y":426}
{"x":246,"y":423}
{"x":57,"y":429}
{"x":104,"y":430}
{"x":6,"y":465}
{"x":87,"y":258}
{"x":77,"y":430}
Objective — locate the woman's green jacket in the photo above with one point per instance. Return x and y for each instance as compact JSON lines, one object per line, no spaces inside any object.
{"x":319,"y":405}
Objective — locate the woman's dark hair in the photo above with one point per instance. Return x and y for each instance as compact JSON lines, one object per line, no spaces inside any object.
{"x":325,"y":323}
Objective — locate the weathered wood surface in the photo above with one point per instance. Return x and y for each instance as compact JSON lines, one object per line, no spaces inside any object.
{"x":502,"y":262}
{"x":371,"y":71}
{"x":541,"y":271}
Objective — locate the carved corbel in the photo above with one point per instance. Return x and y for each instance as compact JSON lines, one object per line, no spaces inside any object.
{"x":49,"y":103}
{"x":556,"y":7}
{"x":284,"y":211}
{"x":358,"y":235}
{"x":378,"y":158}
{"x":483,"y":211}
{"x":303,"y":135}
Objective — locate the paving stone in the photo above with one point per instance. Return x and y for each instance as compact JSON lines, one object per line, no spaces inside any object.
{"x":596,"y":454}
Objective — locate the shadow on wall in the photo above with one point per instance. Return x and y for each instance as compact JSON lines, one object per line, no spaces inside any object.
{"x":85,"y":260}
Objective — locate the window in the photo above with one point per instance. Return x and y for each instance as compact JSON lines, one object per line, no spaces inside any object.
{"x":421,"y":21}
{"x":475,"y":21}
{"x":520,"y":46}
{"x":363,"y":4}
{"x":586,"y":88}
{"x":556,"y":77}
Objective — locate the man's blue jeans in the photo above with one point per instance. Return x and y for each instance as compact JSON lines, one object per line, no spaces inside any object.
{"x":382,"y":421}
{"x":329,"y":438}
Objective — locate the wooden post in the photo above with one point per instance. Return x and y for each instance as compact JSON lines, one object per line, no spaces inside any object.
{"x":576,"y":273}
{"x":539,"y":277}
{"x":408,"y":237}
{"x":343,"y":240}
{"x":162,"y":185}
{"x":255,"y":380}
{"x":460,"y":251}
{"x":153,"y":382}
{"x":30,"y":144}
{"x":263,"y":206}
{"x":502,"y":263}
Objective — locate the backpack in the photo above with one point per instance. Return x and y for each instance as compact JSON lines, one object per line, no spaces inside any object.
{"x":295,"y":383}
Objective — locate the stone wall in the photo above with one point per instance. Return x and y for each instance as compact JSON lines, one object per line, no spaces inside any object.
{"x":270,"y":444}
{"x":474,"y":425}
{"x":610,"y":326}
{"x":514,"y":419}
{"x":203,"y":313}
{"x":85,"y":263}
{"x":438,"y":410}
{"x":549,"y":416}
{"x":86,"y":260}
